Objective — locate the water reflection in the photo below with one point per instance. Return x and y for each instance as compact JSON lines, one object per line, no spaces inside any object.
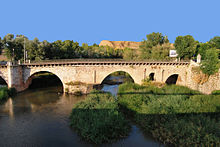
{"x":113,"y":89}
{"x":40,"y":117}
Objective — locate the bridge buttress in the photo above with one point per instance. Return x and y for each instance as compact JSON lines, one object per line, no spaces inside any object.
{"x":15,"y":77}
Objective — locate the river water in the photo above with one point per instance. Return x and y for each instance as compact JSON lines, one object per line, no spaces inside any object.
{"x":40,"y":117}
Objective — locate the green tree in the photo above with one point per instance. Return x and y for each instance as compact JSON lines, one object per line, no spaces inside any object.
{"x":210,"y":64}
{"x":1,"y":45}
{"x":129,"y":54}
{"x":185,"y":46}
{"x":14,"y":46}
{"x":202,"y":48}
{"x":55,"y":50}
{"x":154,"y":39}
{"x":46,"y":47}
{"x":9,"y":45}
{"x":32,"y":48}
{"x":216,"y":43}
{"x":68,"y":49}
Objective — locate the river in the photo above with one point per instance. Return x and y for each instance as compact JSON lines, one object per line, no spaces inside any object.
{"x":40,"y":117}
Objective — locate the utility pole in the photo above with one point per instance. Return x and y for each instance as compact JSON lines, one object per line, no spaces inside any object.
{"x":24,"y":51}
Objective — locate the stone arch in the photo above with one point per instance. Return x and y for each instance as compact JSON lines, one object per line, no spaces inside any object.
{"x":4,"y":76}
{"x":29,"y":79}
{"x":152,"y":76}
{"x":104,"y":77}
{"x":172,"y":79}
{"x":3,"y":81}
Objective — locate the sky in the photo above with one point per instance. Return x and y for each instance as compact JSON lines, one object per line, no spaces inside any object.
{"x":91,"y":21}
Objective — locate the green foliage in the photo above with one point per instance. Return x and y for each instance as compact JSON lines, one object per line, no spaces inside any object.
{"x":155,"y":47}
{"x":68,"y":49}
{"x":184,"y":129}
{"x":74,"y":83}
{"x":98,"y":120}
{"x":1,"y":45}
{"x":12,"y":92}
{"x":210,"y":64}
{"x":215,"y":42}
{"x":185,"y":46}
{"x":154,"y":39}
{"x":5,"y":93}
{"x":174,"y":115}
{"x":130,"y":54}
{"x":78,"y":93}
{"x":216,"y":92}
{"x":202,"y":48}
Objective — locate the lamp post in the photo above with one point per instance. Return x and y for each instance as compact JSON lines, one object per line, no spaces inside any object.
{"x":24,"y":51}
{"x":13,"y":58}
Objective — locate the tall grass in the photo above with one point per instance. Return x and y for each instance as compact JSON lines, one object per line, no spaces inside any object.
{"x":98,"y":120}
{"x":173,"y":114}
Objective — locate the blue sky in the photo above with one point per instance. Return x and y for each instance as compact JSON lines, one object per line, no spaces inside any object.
{"x":91,"y":21}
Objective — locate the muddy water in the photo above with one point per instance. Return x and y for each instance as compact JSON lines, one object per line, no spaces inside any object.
{"x":40,"y":117}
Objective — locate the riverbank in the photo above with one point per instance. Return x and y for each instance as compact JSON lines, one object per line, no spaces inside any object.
{"x":174,"y":115}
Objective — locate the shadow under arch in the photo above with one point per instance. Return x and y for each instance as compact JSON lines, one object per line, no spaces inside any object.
{"x":117,"y":77}
{"x":3,"y":82}
{"x":172,"y":79}
{"x":43,"y":79}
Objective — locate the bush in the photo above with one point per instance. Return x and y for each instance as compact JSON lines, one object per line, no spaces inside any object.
{"x":4,"y":93}
{"x":173,"y":114}
{"x":216,"y":92}
{"x":98,"y":120}
{"x":12,"y":91}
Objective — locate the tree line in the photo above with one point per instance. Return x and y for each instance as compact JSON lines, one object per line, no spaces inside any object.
{"x":13,"y":47}
{"x":155,"y":47}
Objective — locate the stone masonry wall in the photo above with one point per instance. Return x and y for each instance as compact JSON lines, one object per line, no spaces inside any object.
{"x":20,"y":77}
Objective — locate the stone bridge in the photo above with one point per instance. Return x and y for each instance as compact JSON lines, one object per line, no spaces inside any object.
{"x":95,"y":71}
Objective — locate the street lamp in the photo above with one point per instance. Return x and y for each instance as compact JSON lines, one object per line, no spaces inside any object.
{"x":13,"y":55}
{"x":24,"y":51}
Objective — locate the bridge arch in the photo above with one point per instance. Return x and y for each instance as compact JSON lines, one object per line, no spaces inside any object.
{"x":173,"y":79}
{"x":30,"y":78}
{"x":107,"y":73}
{"x":3,"y":78}
{"x":3,"y":81}
{"x":118,"y":73}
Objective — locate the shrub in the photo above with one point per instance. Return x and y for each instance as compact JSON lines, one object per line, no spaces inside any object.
{"x":3,"y":93}
{"x":216,"y":92}
{"x":12,"y":91}
{"x":98,"y":120}
{"x":174,"y":115}
{"x":78,"y":93}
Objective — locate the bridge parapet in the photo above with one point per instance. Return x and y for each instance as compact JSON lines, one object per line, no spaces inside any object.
{"x":95,"y":71}
{"x":103,"y":62}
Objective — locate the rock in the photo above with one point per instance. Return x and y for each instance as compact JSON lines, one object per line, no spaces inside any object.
{"x":120,"y":44}
{"x":78,"y":89}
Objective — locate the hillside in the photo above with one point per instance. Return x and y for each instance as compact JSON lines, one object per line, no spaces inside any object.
{"x":120,"y":44}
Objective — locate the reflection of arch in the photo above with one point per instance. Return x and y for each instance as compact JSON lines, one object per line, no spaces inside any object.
{"x":172,"y":79}
{"x":33,"y":75}
{"x":103,"y":79}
